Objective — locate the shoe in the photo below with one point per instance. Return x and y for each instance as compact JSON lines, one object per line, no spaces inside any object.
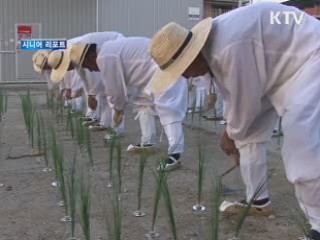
{"x":142,"y":148}
{"x":213,"y":118}
{"x":108,"y":137}
{"x":223,"y":122}
{"x":313,"y":235}
{"x":196,"y":110}
{"x":97,"y":128}
{"x":86,"y":118}
{"x":90,"y":123}
{"x":257,"y":209}
{"x":276,"y":133}
{"x":171,"y":163}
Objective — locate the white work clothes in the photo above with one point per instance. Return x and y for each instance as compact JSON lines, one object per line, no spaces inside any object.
{"x":253,"y":66}
{"x":107,"y":116}
{"x":127,"y":68}
{"x":254,"y":169}
{"x":261,"y":63}
{"x":92,"y":81}
{"x":253,"y":154}
{"x":308,"y":195}
{"x":171,"y":105}
{"x":46,"y":74}
{"x":72,"y":81}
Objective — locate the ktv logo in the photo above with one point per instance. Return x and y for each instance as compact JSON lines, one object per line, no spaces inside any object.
{"x":286,"y":17}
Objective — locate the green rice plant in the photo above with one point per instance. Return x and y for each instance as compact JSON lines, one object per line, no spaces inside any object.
{"x":62,"y":181}
{"x":201,"y":109}
{"x":302,"y":222}
{"x":193,"y":111}
{"x":201,"y":173}
{"x":85,"y":204}
{"x":159,"y":177}
{"x":3,"y":104}
{"x":119,"y":169}
{"x":114,"y":221}
{"x":84,"y":139}
{"x":42,"y":138}
{"x":72,"y":194}
{"x":246,"y":211}
{"x":169,"y":205}
{"x":29,"y":116}
{"x":87,"y":139}
{"x":55,"y":153}
{"x":216,"y":214}
{"x":111,"y":156}
{"x":143,"y":160}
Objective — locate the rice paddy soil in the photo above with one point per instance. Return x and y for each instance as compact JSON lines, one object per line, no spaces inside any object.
{"x":29,"y":204}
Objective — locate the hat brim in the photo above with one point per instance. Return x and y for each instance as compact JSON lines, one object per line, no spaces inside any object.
{"x":58,"y":74}
{"x":163,"y":79}
{"x":46,"y":54}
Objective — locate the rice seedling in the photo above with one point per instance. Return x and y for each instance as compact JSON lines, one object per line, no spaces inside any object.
{"x":3,"y":104}
{"x":201,"y":172}
{"x":114,"y":221}
{"x":85,"y":203}
{"x":55,"y":156}
{"x":216,"y":214}
{"x":169,"y":205}
{"x":42,"y":140}
{"x":143,"y":159}
{"x":62,"y":183}
{"x":72,"y":194}
{"x":111,"y":155}
{"x":201,"y":108}
{"x":28,"y":113}
{"x":159,"y":177}
{"x":246,"y":211}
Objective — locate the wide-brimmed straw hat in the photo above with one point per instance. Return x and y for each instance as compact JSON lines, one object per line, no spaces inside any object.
{"x":78,"y":52}
{"x":174,"y":48}
{"x":39,"y":59}
{"x":59,"y":61}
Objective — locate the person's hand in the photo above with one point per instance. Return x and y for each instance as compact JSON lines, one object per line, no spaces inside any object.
{"x":237,"y":159}
{"x":92,"y":102}
{"x":68,"y":94}
{"x":60,"y":97}
{"x":118,"y":117}
{"x":212,"y":98}
{"x":227,"y":145}
{"x":79,"y":93}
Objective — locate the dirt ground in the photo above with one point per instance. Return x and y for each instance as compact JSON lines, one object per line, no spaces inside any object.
{"x":28,"y":202}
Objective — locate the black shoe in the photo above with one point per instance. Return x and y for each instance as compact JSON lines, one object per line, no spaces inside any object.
{"x":314,"y":235}
{"x":171,"y":163}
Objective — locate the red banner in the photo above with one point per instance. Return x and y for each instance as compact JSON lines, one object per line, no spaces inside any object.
{"x":24,"y":29}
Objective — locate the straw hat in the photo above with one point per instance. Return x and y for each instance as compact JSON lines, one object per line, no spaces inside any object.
{"x":59,"y":61}
{"x":174,"y":48}
{"x":39,"y":59}
{"x":78,"y":52}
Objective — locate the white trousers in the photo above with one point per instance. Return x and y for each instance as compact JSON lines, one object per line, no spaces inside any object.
{"x":107,"y":115}
{"x":254,"y":169}
{"x":77,"y":104}
{"x":175,"y":136}
{"x":172,"y":107}
{"x":308,"y":195}
{"x":146,"y":116}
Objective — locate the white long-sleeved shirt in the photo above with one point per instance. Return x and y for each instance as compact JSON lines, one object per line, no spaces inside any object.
{"x":258,"y":62}
{"x":126,"y":68}
{"x":92,"y":81}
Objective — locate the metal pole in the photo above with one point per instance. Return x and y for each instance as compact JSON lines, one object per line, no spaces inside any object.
{"x":97,"y":16}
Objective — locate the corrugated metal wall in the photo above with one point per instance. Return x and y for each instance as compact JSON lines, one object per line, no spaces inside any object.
{"x":59,"y":19}
{"x":70,"y":18}
{"x":144,"y":17}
